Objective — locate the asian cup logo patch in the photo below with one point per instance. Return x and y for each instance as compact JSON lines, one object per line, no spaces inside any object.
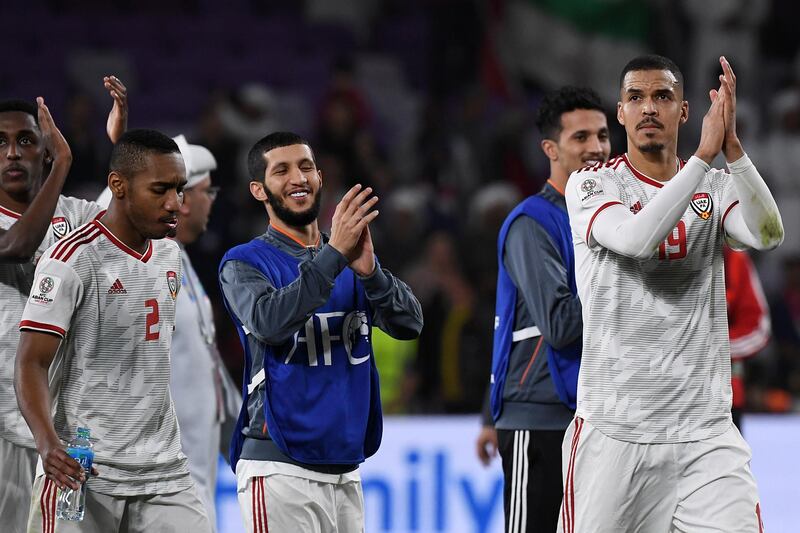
{"x":45,"y":289}
{"x":590,"y":187}
{"x":702,"y":205}
{"x":172,"y":283}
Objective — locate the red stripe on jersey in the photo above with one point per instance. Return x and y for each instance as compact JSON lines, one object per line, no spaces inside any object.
{"x":591,"y":221}
{"x":734,"y":204}
{"x":124,"y":247}
{"x":77,"y":244}
{"x":640,"y":176}
{"x":9,"y":212}
{"x":63,"y":243}
{"x":99,"y":215}
{"x":41,"y":326}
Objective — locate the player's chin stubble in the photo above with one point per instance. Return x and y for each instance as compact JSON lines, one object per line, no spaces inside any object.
{"x":651,"y":148}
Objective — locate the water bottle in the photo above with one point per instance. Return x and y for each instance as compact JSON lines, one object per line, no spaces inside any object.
{"x":71,"y":503}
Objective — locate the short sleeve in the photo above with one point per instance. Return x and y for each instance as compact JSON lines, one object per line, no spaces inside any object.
{"x":588,"y":193}
{"x":54,"y":296}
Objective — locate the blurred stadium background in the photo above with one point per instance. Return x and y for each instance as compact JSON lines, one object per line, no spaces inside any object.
{"x":430,"y":102}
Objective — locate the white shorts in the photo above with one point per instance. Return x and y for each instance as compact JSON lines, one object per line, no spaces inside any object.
{"x":157,"y":513}
{"x":283,"y":498}
{"x":692,"y":487}
{"x":17,"y":467}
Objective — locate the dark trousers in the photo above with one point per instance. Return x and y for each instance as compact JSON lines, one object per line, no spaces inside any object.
{"x":533,"y":488}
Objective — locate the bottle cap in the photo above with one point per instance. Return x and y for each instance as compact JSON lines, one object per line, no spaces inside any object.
{"x":84,"y":432}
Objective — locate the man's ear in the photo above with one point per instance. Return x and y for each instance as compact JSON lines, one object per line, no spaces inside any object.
{"x":550,"y":149}
{"x":684,"y":112}
{"x":258,"y":192}
{"x":620,"y":115}
{"x":118,"y":184}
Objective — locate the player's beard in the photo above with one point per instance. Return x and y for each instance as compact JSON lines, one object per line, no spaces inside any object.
{"x":293,"y":218}
{"x":651,"y":148}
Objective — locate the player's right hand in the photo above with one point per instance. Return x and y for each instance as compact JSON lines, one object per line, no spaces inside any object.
{"x":352,"y":215}
{"x":117,"y":122}
{"x":65,"y":471}
{"x":713,"y":133}
{"x":486,"y":445}
{"x":54,"y":142}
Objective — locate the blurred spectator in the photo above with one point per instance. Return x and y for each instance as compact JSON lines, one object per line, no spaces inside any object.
{"x":785,"y":312}
{"x":748,"y":322}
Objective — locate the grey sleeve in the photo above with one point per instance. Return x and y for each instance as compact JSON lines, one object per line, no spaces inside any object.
{"x":537,"y":269}
{"x":274,"y":315}
{"x":395,"y":309}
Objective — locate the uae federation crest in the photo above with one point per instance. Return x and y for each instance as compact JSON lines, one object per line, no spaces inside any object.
{"x":702,"y":205}
{"x":60,"y":227}
{"x":172,"y":283}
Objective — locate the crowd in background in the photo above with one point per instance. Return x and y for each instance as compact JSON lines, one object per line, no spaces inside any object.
{"x":431,"y":103}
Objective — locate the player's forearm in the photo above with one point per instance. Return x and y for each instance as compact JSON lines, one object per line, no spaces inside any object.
{"x":758,"y":208}
{"x":639,"y":235}
{"x":33,"y":397}
{"x":20,"y":242}
{"x":395,"y":308}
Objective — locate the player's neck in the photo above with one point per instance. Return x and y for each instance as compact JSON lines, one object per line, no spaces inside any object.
{"x":16,"y":202}
{"x":660,"y":166}
{"x":558,"y":178}
{"x":119,"y":225}
{"x":307,"y":235}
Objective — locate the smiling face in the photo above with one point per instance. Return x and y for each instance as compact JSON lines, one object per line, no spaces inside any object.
{"x":652,"y":109}
{"x":292,"y":186}
{"x":21,"y":153}
{"x":583,"y":140}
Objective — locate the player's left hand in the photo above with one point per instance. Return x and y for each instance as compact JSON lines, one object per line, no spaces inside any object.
{"x":117,"y":122}
{"x":487,"y":444}
{"x":731,"y":146}
{"x":57,"y":147}
{"x":364,"y":263}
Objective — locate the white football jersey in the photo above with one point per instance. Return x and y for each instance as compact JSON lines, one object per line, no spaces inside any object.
{"x":656,"y":359}
{"x":115,"y":309}
{"x":15,"y":286}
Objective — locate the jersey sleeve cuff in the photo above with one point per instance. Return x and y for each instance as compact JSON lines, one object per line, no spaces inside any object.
{"x":31,"y":325}
{"x":330,"y":262}
{"x":741,"y":165}
{"x":696,"y":160}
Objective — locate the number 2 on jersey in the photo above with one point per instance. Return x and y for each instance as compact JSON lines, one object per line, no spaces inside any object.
{"x":675,"y":245}
{"x":150,"y":333}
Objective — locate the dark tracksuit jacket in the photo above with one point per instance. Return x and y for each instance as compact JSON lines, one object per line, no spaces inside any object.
{"x":544,"y":300}
{"x":276,"y":314}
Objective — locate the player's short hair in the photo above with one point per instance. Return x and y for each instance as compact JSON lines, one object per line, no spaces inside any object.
{"x":556,"y":103}
{"x":128,"y":155}
{"x":651,"y":62}
{"x":22,"y":106}
{"x":257,"y":165}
